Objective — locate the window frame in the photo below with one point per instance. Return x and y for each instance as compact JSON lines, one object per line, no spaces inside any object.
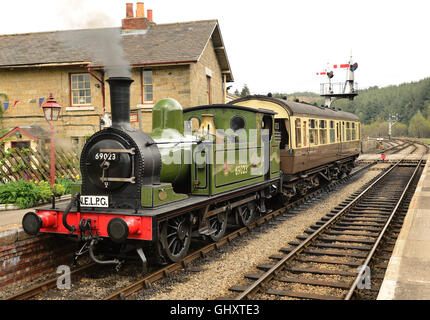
{"x":298,"y":126}
{"x":332,"y":131}
{"x":322,"y":131}
{"x":71,"y":90}
{"x":145,"y":85}
{"x":313,"y":132}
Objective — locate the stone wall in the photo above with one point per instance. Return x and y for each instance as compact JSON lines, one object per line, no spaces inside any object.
{"x":208,"y":63}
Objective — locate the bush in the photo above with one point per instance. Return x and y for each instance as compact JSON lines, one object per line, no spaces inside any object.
{"x":59,"y":189}
{"x":27,"y":194}
{"x":67,"y":183}
{"x":24,"y":194}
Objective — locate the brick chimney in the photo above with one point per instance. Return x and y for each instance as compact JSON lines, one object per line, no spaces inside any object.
{"x":140,"y":22}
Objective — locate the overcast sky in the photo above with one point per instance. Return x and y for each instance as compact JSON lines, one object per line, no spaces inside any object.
{"x":273,"y":46}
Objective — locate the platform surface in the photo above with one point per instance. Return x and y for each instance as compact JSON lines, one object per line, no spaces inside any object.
{"x":408,"y":273}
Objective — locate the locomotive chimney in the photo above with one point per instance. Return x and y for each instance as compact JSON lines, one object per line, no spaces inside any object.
{"x":120,"y":101}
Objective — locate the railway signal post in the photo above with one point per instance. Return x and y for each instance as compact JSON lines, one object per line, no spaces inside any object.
{"x":334,"y":91}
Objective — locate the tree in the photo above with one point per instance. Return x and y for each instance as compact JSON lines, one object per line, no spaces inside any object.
{"x":419,"y":127}
{"x":400,"y":130}
{"x":237,"y":93}
{"x":245,"y":91}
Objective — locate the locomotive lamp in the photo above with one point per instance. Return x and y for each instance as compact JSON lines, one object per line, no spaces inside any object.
{"x":51,"y":111}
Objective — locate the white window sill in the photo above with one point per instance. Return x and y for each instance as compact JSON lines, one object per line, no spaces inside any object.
{"x":80,"y":108}
{"x":145,"y":106}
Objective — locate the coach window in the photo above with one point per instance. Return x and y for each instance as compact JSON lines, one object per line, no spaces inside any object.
{"x":348,"y":131}
{"x":323,"y":131}
{"x":338,"y":131}
{"x":342,"y":132}
{"x":195,"y":123}
{"x":238,"y":122}
{"x":353,"y":136}
{"x":305,"y":133}
{"x":332,"y":136}
{"x":313,"y":132}
{"x":298,"y":133}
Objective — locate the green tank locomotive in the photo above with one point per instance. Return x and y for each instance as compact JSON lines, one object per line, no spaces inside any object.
{"x":149,"y":193}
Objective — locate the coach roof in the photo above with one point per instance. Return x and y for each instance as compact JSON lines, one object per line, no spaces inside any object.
{"x":302,"y":109}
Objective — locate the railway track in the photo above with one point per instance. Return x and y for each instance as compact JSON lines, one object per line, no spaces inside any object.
{"x":334,"y":258}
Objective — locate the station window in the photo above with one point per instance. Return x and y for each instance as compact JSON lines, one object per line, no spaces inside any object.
{"x":80,"y":89}
{"x":298,"y":133}
{"x":323,"y":131}
{"x":147,"y":86}
{"x":332,"y":134}
{"x":313,"y":132}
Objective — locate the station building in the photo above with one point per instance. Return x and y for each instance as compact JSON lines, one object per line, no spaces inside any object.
{"x":186,"y":61}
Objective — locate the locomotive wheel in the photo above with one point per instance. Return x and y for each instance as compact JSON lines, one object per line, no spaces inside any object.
{"x":246,"y":214}
{"x":176,"y":238}
{"x":218,"y":223}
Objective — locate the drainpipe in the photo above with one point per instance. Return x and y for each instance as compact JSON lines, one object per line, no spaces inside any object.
{"x":225,"y":88}
{"x":102,"y":87}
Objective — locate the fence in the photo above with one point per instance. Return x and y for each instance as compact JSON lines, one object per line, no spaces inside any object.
{"x":16,"y":164}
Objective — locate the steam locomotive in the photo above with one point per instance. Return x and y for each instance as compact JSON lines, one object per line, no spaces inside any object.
{"x":151,"y":193}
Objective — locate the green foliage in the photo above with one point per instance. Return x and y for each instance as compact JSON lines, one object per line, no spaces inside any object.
{"x":59,"y":189}
{"x":400,"y":130}
{"x":67,"y":183}
{"x":419,"y":127}
{"x":379,"y":128}
{"x":408,"y":101}
{"x":24,"y":194}
{"x":245,"y":91}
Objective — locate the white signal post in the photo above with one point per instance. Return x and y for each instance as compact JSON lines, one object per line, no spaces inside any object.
{"x":334,"y":91}
{"x":392,"y":119}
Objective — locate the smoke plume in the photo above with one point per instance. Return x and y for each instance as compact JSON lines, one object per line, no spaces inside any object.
{"x":100,"y":42}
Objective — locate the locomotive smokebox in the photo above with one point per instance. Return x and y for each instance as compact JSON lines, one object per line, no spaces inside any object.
{"x":120,"y":101}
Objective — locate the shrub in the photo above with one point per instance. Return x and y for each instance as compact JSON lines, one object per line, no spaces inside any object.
{"x":59,"y":189}
{"x":25,"y":194}
{"x":67,"y":183}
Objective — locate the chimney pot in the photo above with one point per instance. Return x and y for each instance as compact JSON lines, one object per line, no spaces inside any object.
{"x":140,"y":10}
{"x":129,"y":10}
{"x":150,"y":15}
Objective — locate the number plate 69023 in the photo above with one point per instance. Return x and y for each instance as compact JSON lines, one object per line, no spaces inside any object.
{"x":106,"y":156}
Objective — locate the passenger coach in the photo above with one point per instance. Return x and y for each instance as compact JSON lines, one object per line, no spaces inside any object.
{"x":315,"y":142}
